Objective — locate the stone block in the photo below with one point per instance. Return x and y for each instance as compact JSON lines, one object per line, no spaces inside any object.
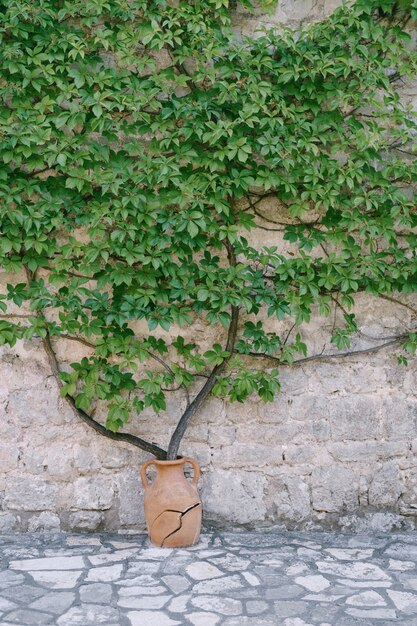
{"x":34,"y":404}
{"x":291,"y":497}
{"x":114,"y":456}
{"x":399,"y":414}
{"x":31,"y":494}
{"x":198,"y":451}
{"x":85,"y":520}
{"x":294,"y":10}
{"x":8,"y":522}
{"x":130,"y":494}
{"x":331,"y":378}
{"x":247,"y":455}
{"x":300,"y":454}
{"x":9,"y":456}
{"x":331,"y":5}
{"x":32,"y":459}
{"x":45,"y":522}
{"x":235,"y":413}
{"x":320,"y":429}
{"x":234,"y":496}
{"x":409,"y":495}
{"x":387,"y":485}
{"x":354,"y":417}
{"x":85,"y":458}
{"x":57,"y":460}
{"x":374,"y":522}
{"x":96,"y":593}
{"x":301,"y":408}
{"x":221,"y":435}
{"x":334,"y":489}
{"x":259,"y":433}
{"x":93,"y":493}
{"x":366,"y":451}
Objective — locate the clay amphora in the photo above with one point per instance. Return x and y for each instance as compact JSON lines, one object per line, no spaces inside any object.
{"x":172,"y":505}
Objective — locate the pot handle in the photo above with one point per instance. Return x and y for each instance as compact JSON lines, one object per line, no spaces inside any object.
{"x":143,"y":473}
{"x":196,"y":469}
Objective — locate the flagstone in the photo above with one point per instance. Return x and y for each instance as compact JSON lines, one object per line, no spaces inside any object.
{"x":55,"y":579}
{"x":236,"y":579}
{"x":51,"y":563}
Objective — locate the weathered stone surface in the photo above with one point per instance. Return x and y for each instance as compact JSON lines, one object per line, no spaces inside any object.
{"x":119,"y":555}
{"x":31,"y":494}
{"x":251,"y":579}
{"x":179,"y":603}
{"x":6,"y":605}
{"x":88,"y":615}
{"x":387,"y":485}
{"x":203,"y":571}
{"x":9,"y":579}
{"x":224,"y":606}
{"x":151,"y":618}
{"x":367,"y":614}
{"x":229,"y":562}
{"x":334,"y":489}
{"x":93,"y":493}
{"x":313,"y":582}
{"x":143,"y":602}
{"x":203,"y":619}
{"x":250,"y":621}
{"x":357,"y":570}
{"x":54,"y":602}
{"x":29,"y":618}
{"x":24,"y":593}
{"x":9,"y":456}
{"x":290,"y":608}
{"x":85,"y":520}
{"x":406,"y":602}
{"x":376,"y":522}
{"x":292,"y":498}
{"x":366,"y":598}
{"x":85,"y":458}
{"x":105,"y":574}
{"x":140,"y":590}
{"x":177,"y":584}
{"x":54,"y":563}
{"x":56,"y":580}
{"x":130,"y":499}
{"x":219,"y":585}
{"x":8,"y":521}
{"x":225,"y":492}
{"x":255,"y":607}
{"x":45,"y":522}
{"x":97,"y":593}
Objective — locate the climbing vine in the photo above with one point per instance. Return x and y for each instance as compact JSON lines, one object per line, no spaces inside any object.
{"x":139,"y":140}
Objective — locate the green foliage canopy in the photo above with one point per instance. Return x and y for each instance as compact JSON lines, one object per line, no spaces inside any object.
{"x":137,"y":139}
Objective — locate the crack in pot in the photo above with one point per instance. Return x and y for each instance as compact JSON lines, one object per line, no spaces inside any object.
{"x":181,"y":515}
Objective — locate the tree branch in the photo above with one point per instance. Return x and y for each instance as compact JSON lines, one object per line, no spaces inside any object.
{"x":337,"y":355}
{"x":204,"y":392}
{"x":147,"y":446}
{"x":87,"y":419}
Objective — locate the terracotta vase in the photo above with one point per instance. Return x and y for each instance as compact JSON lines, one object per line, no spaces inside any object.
{"x":172,"y":504}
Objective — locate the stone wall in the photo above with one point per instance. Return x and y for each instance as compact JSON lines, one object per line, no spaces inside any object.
{"x":336,"y":449}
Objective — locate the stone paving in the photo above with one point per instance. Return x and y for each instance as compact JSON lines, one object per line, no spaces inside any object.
{"x":229,"y":579}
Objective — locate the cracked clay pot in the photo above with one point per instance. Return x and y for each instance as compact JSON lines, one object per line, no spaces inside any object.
{"x":172,"y":504}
